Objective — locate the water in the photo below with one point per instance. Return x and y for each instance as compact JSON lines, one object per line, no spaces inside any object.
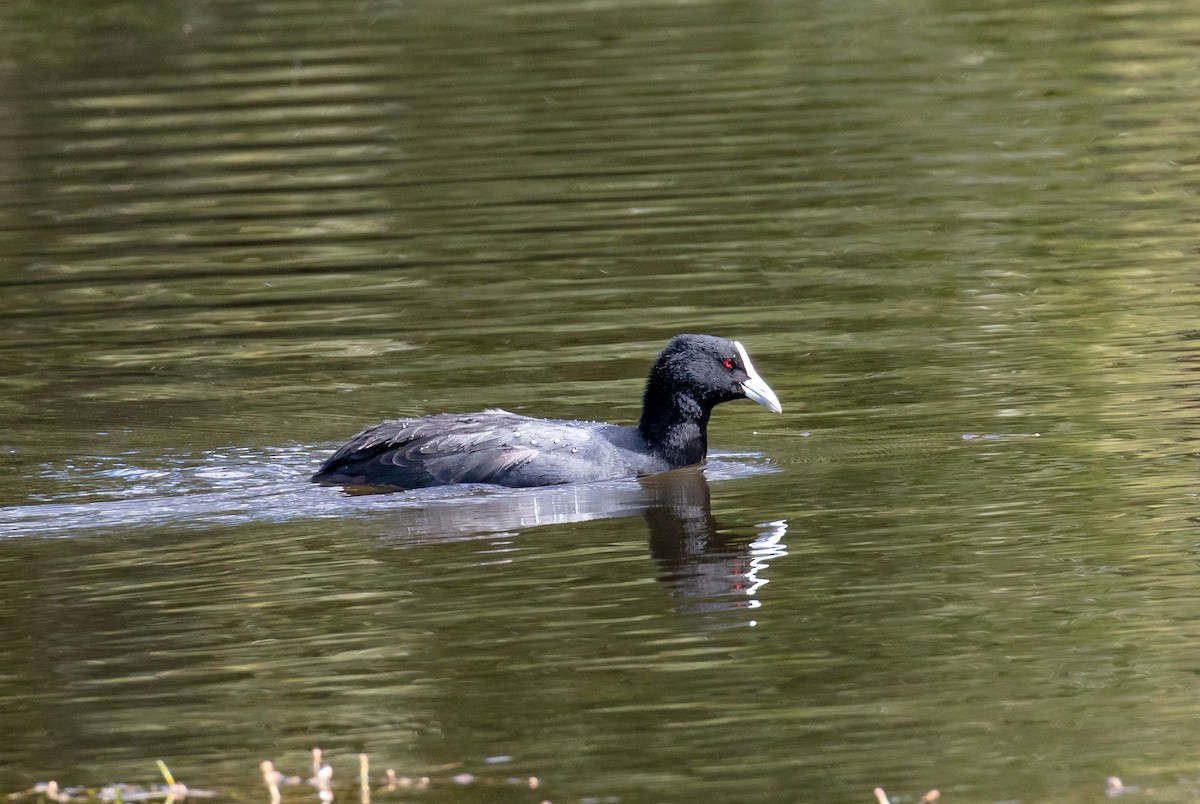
{"x":958,"y":241}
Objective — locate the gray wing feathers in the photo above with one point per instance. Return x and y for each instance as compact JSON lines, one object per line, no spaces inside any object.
{"x":480,"y":448}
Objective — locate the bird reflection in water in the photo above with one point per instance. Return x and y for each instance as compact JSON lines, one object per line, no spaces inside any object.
{"x":712,"y":570}
{"x":709,"y":568}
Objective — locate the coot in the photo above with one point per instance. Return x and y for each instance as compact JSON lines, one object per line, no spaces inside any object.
{"x":689,"y":377}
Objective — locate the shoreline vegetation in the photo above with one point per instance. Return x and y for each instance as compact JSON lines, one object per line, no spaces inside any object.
{"x":275,"y":781}
{"x":321,"y":782}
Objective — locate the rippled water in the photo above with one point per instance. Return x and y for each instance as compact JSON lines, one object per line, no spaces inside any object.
{"x":960,"y":242}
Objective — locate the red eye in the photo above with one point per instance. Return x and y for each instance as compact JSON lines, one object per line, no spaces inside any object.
{"x":727,"y":363}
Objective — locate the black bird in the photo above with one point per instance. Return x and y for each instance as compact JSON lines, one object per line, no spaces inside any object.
{"x":689,"y":377}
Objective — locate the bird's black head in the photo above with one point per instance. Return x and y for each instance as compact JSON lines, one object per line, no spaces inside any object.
{"x":689,"y":377}
{"x":709,"y":370}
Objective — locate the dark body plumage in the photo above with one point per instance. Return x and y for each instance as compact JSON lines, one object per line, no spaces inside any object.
{"x":690,"y":376}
